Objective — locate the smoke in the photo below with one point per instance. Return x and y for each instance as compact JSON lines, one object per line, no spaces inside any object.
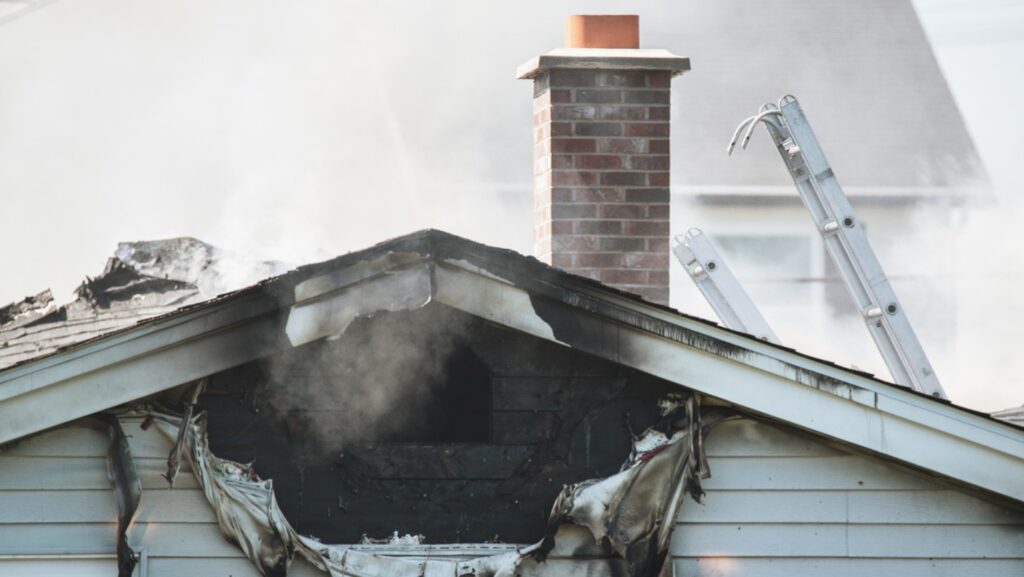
{"x":957,"y":268}
{"x":974,"y":258}
{"x":381,"y":380}
{"x":298,"y":132}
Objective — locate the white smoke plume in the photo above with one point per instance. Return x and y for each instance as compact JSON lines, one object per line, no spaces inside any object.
{"x":376,"y":380}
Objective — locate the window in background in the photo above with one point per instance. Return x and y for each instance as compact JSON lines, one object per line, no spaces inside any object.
{"x":775,"y":270}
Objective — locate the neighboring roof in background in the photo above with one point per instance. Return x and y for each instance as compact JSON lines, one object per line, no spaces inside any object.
{"x":864,"y":72}
{"x":525,"y":295}
{"x":1014,"y":416}
{"x":142,"y":280}
{"x":12,"y":9}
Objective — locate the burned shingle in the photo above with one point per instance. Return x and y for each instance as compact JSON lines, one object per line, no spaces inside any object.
{"x":141,"y":280}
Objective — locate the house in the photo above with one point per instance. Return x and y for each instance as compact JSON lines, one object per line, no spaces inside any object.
{"x":434,"y":406}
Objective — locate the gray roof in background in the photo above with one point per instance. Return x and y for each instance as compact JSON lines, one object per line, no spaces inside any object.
{"x":865,"y":75}
{"x":143,"y":279}
{"x":863,"y":71}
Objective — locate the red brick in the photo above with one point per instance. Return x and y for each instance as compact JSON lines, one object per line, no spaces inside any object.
{"x":623,"y":178}
{"x":562,"y":260}
{"x":657,"y":245}
{"x":573,"y":211}
{"x":647,"y":97}
{"x":569,"y":77}
{"x":658,"y":179}
{"x":561,"y":161}
{"x":542,"y":213}
{"x":541,"y":181}
{"x":645,"y":228}
{"x":598,"y":161}
{"x":622,"y":244}
{"x":541,"y":133}
{"x":561,"y":195}
{"x":648,"y":162}
{"x":541,"y":165}
{"x":647,"y":195}
{"x":601,"y":192}
{"x":597,"y":129}
{"x":541,"y":149}
{"x":540,"y":199}
{"x":561,"y":95}
{"x":599,"y":195}
{"x":613,"y":227}
{"x":573,"y":178}
{"x":598,"y":96}
{"x":622,"y":145}
{"x":575,"y":243}
{"x":658,"y":113}
{"x":574,"y":112}
{"x":657,"y":277}
{"x":659,"y":211}
{"x":561,"y":128}
{"x":560,"y":227}
{"x":572,"y":145}
{"x":659,"y":146}
{"x":620,"y":112}
{"x":542,"y":230}
{"x":621,"y":211}
{"x":659,"y":79}
{"x":651,"y":129}
{"x":656,"y":261}
{"x":622,"y":276}
{"x":599,"y":260}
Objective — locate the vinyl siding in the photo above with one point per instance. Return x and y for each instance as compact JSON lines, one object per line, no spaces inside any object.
{"x":780,"y":502}
{"x":55,"y":499}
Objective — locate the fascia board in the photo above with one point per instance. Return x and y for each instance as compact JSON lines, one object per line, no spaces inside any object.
{"x":136,"y":363}
{"x":784,"y":385}
{"x":766,"y":380}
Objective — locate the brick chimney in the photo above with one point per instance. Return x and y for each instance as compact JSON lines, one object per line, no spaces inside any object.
{"x":601,"y":155}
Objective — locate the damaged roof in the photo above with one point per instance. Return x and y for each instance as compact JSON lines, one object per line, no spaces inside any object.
{"x":153,"y":352}
{"x":141,"y":280}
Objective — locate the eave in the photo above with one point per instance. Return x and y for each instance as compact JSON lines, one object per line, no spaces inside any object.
{"x":523,"y":295}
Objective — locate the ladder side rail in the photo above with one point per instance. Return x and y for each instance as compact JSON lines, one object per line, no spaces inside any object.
{"x":822,"y":216}
{"x":720,"y":287}
{"x":826,"y":221}
{"x":848,"y":246}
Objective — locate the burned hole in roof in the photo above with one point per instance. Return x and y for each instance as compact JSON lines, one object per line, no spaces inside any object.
{"x":428,"y":422}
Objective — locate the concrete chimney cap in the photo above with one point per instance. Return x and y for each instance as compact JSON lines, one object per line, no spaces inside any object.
{"x":652,"y":59}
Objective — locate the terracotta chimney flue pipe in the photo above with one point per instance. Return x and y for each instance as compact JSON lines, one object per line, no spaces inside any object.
{"x":603,"y":31}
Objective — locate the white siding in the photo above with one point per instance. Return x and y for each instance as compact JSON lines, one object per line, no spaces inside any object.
{"x":780,"y":502}
{"x":55,"y":499}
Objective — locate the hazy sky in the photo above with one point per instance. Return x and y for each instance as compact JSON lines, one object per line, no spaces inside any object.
{"x":297,"y":131}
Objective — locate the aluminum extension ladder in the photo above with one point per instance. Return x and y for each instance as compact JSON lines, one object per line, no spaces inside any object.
{"x":845,"y":242}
